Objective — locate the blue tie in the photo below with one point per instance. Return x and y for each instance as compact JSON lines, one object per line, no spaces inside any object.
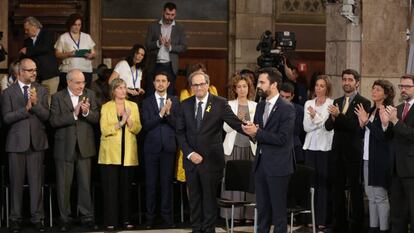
{"x":199,"y":114}
{"x":161,"y":103}
{"x":25,"y":93}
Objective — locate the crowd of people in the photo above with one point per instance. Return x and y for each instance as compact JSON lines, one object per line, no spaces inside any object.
{"x":351,"y":145}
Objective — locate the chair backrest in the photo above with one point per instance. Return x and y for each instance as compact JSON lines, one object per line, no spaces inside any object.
{"x":299,"y":186}
{"x":238,"y":176}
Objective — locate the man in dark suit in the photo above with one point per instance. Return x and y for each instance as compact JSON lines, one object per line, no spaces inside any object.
{"x":273,"y":129}
{"x":25,"y":110}
{"x":287,"y":92}
{"x":347,"y":149}
{"x":402,"y":184}
{"x":199,"y":133}
{"x":73,"y":113}
{"x":165,"y":41}
{"x":159,"y":113}
{"x":39,"y":46}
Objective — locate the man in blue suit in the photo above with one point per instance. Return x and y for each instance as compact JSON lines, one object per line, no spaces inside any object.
{"x":273,"y":129}
{"x":159,"y":112}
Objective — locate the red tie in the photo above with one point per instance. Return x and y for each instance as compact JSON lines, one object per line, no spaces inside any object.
{"x":405,"y":110}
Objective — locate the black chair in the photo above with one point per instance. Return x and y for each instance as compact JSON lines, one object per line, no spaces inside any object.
{"x":301,"y":194}
{"x":238,"y":177}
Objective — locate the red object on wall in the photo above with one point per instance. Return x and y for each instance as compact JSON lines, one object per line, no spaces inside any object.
{"x":302,"y":67}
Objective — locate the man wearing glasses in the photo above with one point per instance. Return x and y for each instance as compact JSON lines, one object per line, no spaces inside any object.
{"x":25,"y":109}
{"x":402,"y":185}
{"x":199,"y":133}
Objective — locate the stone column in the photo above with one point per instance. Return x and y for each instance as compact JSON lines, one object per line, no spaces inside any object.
{"x":343,"y":46}
{"x":384,"y":46}
{"x":4,"y":9}
{"x":95,"y":29}
{"x":248,"y":19}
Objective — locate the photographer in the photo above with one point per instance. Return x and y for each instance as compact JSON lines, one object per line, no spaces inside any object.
{"x":292,"y":75}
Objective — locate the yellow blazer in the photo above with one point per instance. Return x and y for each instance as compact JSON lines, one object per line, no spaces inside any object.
{"x":110,"y":148}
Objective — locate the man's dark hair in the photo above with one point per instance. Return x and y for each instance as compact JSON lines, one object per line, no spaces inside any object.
{"x":408,"y":76}
{"x":355,"y":73}
{"x":272,"y":74}
{"x":170,"y":6}
{"x":287,"y":87}
{"x":161,"y":73}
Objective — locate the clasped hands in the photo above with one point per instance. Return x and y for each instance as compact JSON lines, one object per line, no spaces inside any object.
{"x":165,"y":42}
{"x":165,"y":110}
{"x":83,"y":106}
{"x":250,"y":128}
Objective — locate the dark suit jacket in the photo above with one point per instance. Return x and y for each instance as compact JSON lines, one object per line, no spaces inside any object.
{"x":208,"y":141}
{"x":379,"y":169}
{"x":275,"y":140}
{"x":299,"y":132}
{"x":346,"y":129}
{"x":403,"y":144}
{"x":69,"y":131}
{"x":26,"y":127}
{"x":160,"y":131}
{"x":178,"y":42}
{"x":43,"y":54}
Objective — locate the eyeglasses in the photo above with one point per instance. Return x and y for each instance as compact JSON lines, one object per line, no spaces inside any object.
{"x":30,"y":70}
{"x":197,"y":85}
{"x":401,"y":86}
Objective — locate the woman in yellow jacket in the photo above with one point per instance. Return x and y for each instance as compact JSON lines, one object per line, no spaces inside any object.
{"x":120,"y":123}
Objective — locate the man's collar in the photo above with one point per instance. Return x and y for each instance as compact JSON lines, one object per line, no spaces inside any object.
{"x":162,"y":23}
{"x":73,"y":95}
{"x":157,"y":95}
{"x":23,"y":84}
{"x":273,"y":99}
{"x":204,"y":100}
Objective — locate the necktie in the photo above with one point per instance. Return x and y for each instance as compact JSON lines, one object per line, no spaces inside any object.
{"x":161,"y":103}
{"x":25,"y":93}
{"x":405,"y":110}
{"x":199,"y":114}
{"x":266,"y":113}
{"x":346,"y":105}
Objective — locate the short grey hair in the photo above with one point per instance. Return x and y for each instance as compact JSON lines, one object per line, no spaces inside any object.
{"x":206,"y":77}
{"x":69,"y":75}
{"x":33,"y":21}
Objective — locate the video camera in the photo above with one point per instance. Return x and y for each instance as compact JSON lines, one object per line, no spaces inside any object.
{"x":272,"y":50}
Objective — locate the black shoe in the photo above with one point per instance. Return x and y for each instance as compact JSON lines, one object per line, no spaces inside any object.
{"x":128,"y":226}
{"x":65,"y":227}
{"x":149,"y":225}
{"x":15,"y":227}
{"x":40,"y":227}
{"x":91,"y":225}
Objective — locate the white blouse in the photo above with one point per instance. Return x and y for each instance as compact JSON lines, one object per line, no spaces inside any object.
{"x":317,"y":137}
{"x":65,"y":44}
{"x":130,"y":75}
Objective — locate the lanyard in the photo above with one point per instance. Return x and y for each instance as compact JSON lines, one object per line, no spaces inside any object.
{"x":134,"y":79}
{"x":78,"y":43}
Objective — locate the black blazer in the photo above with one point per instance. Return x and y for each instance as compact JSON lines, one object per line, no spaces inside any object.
{"x":208,"y":140}
{"x":160,"y":131}
{"x":43,"y":54}
{"x":379,"y":166}
{"x":403,"y":144}
{"x":275,"y":145}
{"x":71,"y":132}
{"x":347,"y":137}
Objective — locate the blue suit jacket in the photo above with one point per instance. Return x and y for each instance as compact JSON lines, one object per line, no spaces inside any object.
{"x":160,"y":131}
{"x":275,"y":140}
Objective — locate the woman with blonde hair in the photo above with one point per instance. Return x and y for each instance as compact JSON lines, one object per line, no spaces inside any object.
{"x":120,"y":123}
{"x":318,"y":144}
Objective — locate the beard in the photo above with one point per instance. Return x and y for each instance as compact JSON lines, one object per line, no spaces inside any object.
{"x":261,"y":93}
